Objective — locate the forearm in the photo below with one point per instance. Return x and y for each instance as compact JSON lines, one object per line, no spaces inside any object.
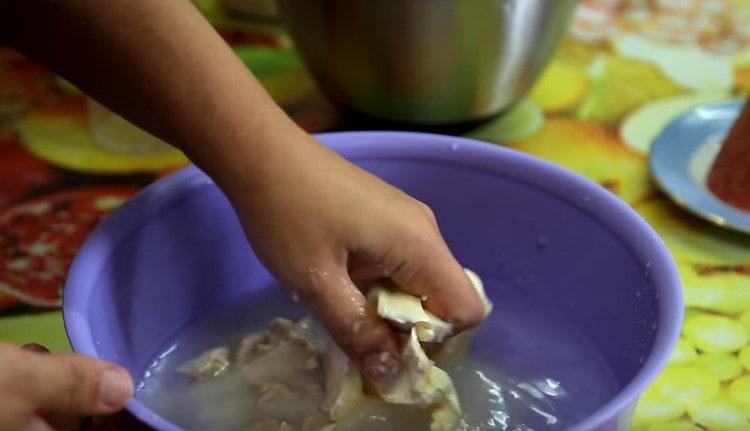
{"x":730,"y":176}
{"x":162,"y":66}
{"x":310,"y":215}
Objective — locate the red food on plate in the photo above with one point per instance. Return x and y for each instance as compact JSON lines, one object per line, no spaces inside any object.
{"x":729,"y":178}
{"x":39,"y":238}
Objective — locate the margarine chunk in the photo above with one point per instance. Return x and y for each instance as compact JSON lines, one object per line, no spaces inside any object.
{"x":406,"y":312}
{"x":420,"y":382}
{"x":343,"y":383}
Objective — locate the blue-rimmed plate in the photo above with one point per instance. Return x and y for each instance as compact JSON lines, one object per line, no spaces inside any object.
{"x":682,"y":155}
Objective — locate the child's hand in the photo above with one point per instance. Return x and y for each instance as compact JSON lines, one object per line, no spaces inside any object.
{"x":34,"y":386}
{"x":314,"y":219}
{"x":319,"y":222}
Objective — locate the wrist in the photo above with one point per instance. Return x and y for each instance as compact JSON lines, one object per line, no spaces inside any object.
{"x":248,"y":162}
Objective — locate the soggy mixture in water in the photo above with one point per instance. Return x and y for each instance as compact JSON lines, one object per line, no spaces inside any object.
{"x":287,"y":376}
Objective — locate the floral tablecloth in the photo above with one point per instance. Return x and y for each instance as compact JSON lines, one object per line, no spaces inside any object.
{"x":626,"y":68}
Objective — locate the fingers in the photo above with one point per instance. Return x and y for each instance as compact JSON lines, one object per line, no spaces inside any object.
{"x":353,"y":324}
{"x":418,"y":261}
{"x":80,"y":385}
{"x":427,"y":269}
{"x":57,"y":421}
{"x":72,"y":384}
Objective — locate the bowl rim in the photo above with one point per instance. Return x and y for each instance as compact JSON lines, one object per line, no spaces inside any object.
{"x":591,"y":198}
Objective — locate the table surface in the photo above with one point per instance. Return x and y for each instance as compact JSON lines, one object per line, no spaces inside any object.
{"x":625,"y":69}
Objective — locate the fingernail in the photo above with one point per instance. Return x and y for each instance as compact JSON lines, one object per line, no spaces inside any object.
{"x":115,"y":389}
{"x":35,"y":347}
{"x":380,"y":366}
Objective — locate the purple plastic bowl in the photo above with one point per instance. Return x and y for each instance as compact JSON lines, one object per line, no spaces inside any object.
{"x":176,"y":251}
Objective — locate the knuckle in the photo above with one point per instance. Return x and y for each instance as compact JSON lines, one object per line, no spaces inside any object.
{"x":406,"y":273}
{"x":15,"y":373}
{"x":316,"y":286}
{"x":72,"y":389}
{"x":428,"y":213}
{"x":420,"y":241}
{"x":426,"y":210}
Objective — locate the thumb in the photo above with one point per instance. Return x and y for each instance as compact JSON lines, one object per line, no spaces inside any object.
{"x":75,"y":384}
{"x":427,"y":269}
{"x":353,"y":323}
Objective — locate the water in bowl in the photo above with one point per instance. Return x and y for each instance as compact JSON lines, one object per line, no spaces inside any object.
{"x":526,"y":369}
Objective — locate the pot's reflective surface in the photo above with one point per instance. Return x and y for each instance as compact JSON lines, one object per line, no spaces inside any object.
{"x":427,"y":61}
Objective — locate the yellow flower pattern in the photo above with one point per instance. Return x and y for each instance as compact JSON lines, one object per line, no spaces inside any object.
{"x":626,"y":69}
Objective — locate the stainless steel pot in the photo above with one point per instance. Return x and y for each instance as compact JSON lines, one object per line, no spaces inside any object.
{"x":427,"y":61}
